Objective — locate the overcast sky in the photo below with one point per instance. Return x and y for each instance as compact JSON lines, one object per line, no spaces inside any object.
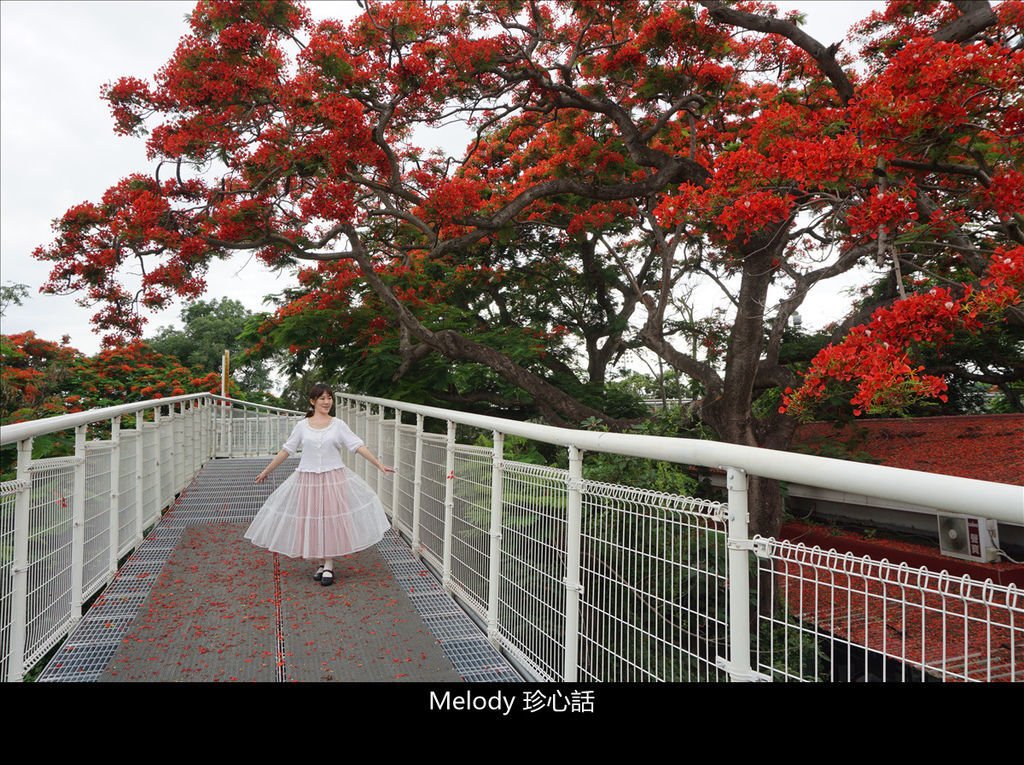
{"x":59,"y":149}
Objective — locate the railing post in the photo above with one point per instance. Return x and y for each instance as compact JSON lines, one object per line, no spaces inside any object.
{"x":497,"y":499}
{"x":140,"y":477}
{"x":78,"y":525}
{"x":199,"y":405}
{"x":739,"y":544}
{"x":417,"y":483}
{"x":573,"y":588}
{"x":363,"y":419}
{"x":229,"y":420}
{"x":172,"y":457}
{"x":395,"y":493}
{"x":379,"y":447}
{"x":179,"y":449}
{"x":449,"y":506}
{"x":159,"y":470}
{"x":115,"y":494}
{"x":190,"y":439}
{"x":19,"y":564}
{"x":261,"y":431}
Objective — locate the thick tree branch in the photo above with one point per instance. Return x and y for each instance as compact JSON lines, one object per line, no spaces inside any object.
{"x":825,"y":57}
{"x":554,"y":402}
{"x":977,"y":15}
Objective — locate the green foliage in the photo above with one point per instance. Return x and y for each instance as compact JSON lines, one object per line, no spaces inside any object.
{"x":12,"y":293}
{"x":211,"y":327}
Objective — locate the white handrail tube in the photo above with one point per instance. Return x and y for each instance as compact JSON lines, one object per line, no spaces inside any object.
{"x":1003,"y":502}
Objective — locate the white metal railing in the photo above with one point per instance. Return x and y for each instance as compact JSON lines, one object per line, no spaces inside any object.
{"x":581,"y":580}
{"x":65,"y":522}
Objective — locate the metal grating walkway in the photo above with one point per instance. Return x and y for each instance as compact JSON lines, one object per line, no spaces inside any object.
{"x":216,"y":506}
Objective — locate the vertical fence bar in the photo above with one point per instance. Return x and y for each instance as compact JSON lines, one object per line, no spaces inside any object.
{"x":262,"y":430}
{"x":739,"y":545}
{"x":379,"y":447}
{"x":19,"y":564}
{"x":573,"y":588}
{"x":449,"y":506}
{"x":115,"y":495}
{"x":417,"y":482}
{"x":222,"y":420}
{"x":208,"y":430}
{"x":171,"y":421}
{"x":494,"y":572}
{"x":192,"y":440}
{"x":229,"y":411}
{"x":363,"y":415}
{"x":181,"y":475}
{"x":140,"y":480}
{"x":78,"y":525}
{"x":159,"y":470}
{"x":396,"y":494}
{"x":199,"y":406}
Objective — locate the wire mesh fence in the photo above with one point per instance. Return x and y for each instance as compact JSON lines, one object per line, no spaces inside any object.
{"x":576,"y":579}
{"x":432,"y":497}
{"x":98,"y":518}
{"x":654,"y":586}
{"x":839,"y":617}
{"x":651,"y":595}
{"x":9,"y":491}
{"x":63,"y":529}
{"x":48,"y":593}
{"x":471,"y":518}
{"x":531,"y":588}
{"x":128,"y":497}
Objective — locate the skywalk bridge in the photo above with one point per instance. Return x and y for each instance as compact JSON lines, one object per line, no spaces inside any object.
{"x":494,"y":570}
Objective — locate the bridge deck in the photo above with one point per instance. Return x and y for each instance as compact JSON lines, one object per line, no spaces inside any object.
{"x":197,"y":602}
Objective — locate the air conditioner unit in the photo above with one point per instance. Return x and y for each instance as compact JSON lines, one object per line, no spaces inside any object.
{"x":969,"y":537}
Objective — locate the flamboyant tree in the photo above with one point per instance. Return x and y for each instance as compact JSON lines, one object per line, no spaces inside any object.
{"x":34,"y":376}
{"x":657,"y":145}
{"x":40,"y":378}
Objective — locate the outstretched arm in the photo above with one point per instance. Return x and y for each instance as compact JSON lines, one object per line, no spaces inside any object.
{"x":280,"y":457}
{"x":367,"y":454}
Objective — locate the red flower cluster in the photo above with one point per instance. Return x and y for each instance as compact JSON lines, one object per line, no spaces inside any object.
{"x":877,"y":356}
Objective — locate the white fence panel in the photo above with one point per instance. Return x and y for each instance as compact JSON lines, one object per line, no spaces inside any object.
{"x":636,"y":585}
{"x":531,"y":608}
{"x":837,"y":617}
{"x":51,"y":559}
{"x":9,"y":491}
{"x":98,"y":509}
{"x":49,"y":594}
{"x":432,"y":484}
{"x":470,"y":525}
{"x":127,"y":506}
{"x":654,"y":575}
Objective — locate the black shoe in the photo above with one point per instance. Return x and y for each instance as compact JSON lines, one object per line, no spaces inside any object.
{"x":327,"y":578}
{"x":318,"y":576}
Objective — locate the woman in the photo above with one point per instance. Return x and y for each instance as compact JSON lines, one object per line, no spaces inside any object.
{"x":323,"y":510}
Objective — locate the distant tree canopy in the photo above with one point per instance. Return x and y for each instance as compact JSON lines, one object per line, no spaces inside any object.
{"x":40,"y":378}
{"x":211,"y":327}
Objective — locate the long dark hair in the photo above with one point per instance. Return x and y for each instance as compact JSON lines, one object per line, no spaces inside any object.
{"x":316,"y":392}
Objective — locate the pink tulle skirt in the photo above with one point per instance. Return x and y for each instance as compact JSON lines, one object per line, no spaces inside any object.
{"x":319,"y":515}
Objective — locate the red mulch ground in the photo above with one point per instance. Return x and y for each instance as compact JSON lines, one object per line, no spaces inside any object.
{"x":952,"y":628}
{"x":986,"y":447}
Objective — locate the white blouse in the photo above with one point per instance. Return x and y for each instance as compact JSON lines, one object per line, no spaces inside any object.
{"x":321,"y":448}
